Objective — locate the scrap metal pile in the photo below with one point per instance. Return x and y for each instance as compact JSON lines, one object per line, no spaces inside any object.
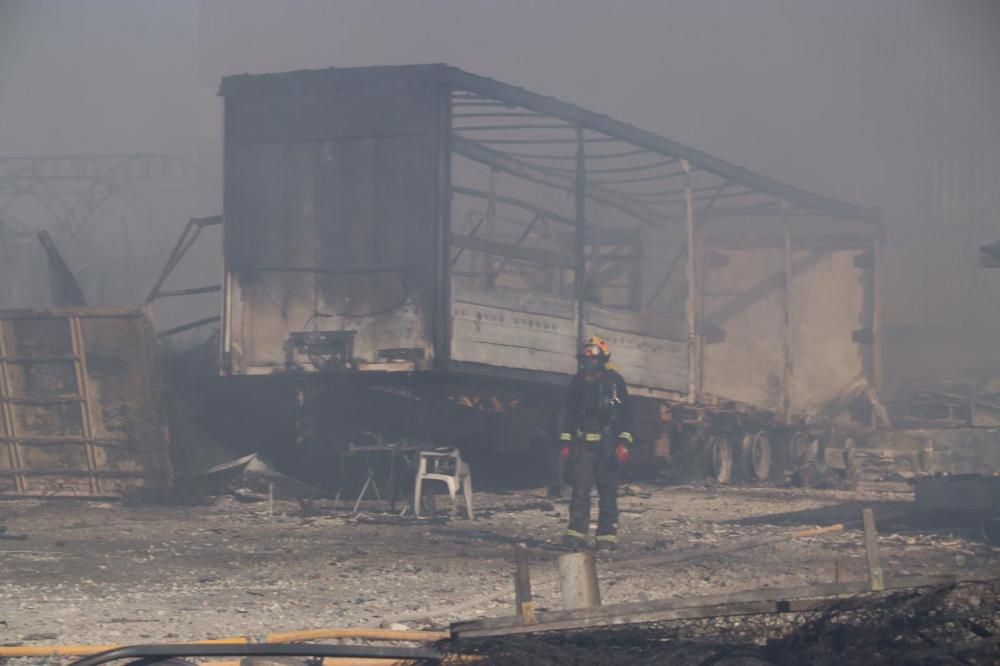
{"x":948,"y":624}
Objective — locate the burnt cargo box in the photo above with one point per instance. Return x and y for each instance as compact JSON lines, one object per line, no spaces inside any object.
{"x":421,"y":218}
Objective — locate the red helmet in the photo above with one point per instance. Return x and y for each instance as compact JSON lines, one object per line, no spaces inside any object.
{"x":595,"y":346}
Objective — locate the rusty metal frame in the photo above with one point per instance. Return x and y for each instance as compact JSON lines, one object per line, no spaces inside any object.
{"x":692,"y":289}
{"x":86,"y":424}
{"x":580,"y":238}
{"x":72,"y":188}
{"x":9,"y":418}
{"x":488,"y":92}
{"x":192,"y":230}
{"x":636,"y":158}
{"x":83,"y":398}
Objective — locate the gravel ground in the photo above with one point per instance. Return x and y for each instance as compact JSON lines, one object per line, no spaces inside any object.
{"x":109,"y":573}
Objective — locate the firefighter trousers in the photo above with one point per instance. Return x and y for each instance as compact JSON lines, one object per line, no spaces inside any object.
{"x":593,"y":463}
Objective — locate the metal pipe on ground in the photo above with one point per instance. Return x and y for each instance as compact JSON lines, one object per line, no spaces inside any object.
{"x":286,"y":637}
{"x":362,"y":661}
{"x":365,"y":634}
{"x":85,"y":650}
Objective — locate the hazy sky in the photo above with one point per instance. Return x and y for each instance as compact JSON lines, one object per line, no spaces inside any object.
{"x":833,"y":95}
{"x":888,"y":103}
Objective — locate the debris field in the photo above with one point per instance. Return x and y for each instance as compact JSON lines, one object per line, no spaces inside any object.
{"x":120,"y":573}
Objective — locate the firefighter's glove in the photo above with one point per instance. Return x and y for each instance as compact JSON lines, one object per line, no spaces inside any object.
{"x":564,"y":453}
{"x":622,"y":454}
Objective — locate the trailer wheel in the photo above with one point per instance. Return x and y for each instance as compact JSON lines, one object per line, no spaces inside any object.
{"x":720,"y":459}
{"x":803,"y":449}
{"x":759,"y":456}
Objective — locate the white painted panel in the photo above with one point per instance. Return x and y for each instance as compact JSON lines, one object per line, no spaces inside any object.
{"x":504,"y":328}
{"x":646,"y":361}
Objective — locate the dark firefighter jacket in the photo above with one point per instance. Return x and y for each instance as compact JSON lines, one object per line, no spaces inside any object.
{"x":598,"y":409}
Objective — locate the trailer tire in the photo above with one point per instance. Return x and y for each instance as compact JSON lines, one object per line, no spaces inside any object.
{"x":720,"y":459}
{"x":803,"y":450}
{"x":758,"y":456}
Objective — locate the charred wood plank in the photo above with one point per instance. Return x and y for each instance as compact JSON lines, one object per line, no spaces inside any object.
{"x":718,"y":605}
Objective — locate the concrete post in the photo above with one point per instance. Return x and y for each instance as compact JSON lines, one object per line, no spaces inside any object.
{"x":578,"y":580}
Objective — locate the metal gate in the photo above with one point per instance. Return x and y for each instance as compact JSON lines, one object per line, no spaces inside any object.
{"x":81,"y":414}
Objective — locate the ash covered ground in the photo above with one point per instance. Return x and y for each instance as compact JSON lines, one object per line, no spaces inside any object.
{"x":113,"y":573}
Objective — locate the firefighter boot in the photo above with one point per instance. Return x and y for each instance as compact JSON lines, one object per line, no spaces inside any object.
{"x":575,"y":541}
{"x":606,"y":545}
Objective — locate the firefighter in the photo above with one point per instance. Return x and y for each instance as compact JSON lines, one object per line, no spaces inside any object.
{"x":595,"y":443}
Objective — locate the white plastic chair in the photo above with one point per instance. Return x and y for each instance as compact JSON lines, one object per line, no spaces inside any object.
{"x":433,"y":466}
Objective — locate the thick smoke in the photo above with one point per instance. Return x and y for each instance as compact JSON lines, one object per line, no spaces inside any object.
{"x":890,"y":104}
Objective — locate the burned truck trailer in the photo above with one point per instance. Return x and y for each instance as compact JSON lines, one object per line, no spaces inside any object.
{"x":445,"y":240}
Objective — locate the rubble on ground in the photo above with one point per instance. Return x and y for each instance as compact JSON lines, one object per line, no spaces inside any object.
{"x":956,"y":623}
{"x":105,"y":572}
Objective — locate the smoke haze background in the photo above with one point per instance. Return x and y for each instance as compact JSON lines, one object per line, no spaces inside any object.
{"x":893,"y":104}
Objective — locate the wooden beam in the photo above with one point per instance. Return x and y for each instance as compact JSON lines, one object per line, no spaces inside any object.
{"x":524,"y":604}
{"x":871,"y":551}
{"x":640,"y":617}
{"x":716,"y":605}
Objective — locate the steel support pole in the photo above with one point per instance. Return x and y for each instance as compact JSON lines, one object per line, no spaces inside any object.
{"x":692,"y":296}
{"x":580,"y":274}
{"x":786,"y":381}
{"x":699,"y":305}
{"x":490,"y":225}
{"x":442,"y":326}
{"x":877,"y":311}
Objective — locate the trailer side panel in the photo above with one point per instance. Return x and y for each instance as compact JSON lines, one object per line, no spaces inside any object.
{"x":330,"y":223}
{"x":830,"y":312}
